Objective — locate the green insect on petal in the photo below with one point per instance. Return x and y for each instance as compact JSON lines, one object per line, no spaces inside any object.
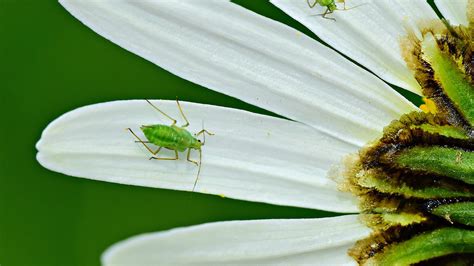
{"x":172,"y":137}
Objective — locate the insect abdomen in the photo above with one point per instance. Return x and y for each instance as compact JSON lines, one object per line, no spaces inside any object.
{"x":165,"y":136}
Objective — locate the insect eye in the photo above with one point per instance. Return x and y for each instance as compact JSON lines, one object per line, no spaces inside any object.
{"x":199,"y":140}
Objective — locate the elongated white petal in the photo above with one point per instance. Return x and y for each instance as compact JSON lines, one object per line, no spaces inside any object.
{"x":453,"y":10}
{"x":323,"y":241}
{"x":369,"y":33}
{"x":229,"y":49}
{"x":251,"y":157}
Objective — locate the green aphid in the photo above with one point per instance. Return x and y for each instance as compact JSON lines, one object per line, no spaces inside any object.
{"x":329,"y":4}
{"x":172,"y":137}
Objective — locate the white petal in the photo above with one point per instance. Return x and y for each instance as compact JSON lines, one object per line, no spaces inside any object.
{"x":251,"y":157}
{"x":369,"y":33}
{"x":454,"y":11}
{"x":228,"y":49}
{"x":323,"y":241}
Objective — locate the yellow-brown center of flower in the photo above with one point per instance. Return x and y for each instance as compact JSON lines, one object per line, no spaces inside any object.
{"x":416,"y":183}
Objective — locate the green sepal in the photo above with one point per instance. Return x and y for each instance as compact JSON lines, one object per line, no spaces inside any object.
{"x":426,"y":246}
{"x":446,"y":130}
{"x":385,"y":220}
{"x":385,"y":186}
{"x":452,"y":80}
{"x":402,"y":219}
{"x":461,"y":212}
{"x":450,"y":162}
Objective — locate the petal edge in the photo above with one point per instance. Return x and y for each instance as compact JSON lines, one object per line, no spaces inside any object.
{"x":322,"y":241}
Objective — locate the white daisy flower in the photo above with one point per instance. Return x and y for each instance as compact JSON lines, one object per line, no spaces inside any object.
{"x":334,"y":108}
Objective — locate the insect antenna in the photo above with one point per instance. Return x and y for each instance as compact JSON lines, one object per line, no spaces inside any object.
{"x":199,"y":169}
{"x":200,"y":156}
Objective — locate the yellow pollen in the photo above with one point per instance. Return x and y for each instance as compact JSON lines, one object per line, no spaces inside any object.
{"x":429,"y":106}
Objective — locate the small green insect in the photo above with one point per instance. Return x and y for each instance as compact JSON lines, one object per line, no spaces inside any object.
{"x":330,"y":6}
{"x":172,"y":137}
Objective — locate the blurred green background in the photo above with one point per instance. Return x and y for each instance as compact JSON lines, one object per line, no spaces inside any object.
{"x":51,"y":64}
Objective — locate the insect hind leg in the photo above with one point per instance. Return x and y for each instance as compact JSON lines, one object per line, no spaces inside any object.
{"x":163,"y":113}
{"x":182,"y":114}
{"x":169,"y":159}
{"x":144,"y":143}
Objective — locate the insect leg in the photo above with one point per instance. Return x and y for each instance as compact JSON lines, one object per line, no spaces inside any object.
{"x":202,"y":132}
{"x":143,"y":142}
{"x":171,"y":159}
{"x":189,"y":159}
{"x":163,"y":113}
{"x":181,"y":111}
{"x":313,"y":4}
{"x":343,"y":3}
{"x":356,"y":6}
{"x":328,"y":12}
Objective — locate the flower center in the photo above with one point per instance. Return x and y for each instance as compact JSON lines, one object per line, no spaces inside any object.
{"x":416,"y":183}
{"x":429,"y":106}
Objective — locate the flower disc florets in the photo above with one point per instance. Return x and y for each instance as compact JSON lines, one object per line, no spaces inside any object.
{"x":416,"y":183}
